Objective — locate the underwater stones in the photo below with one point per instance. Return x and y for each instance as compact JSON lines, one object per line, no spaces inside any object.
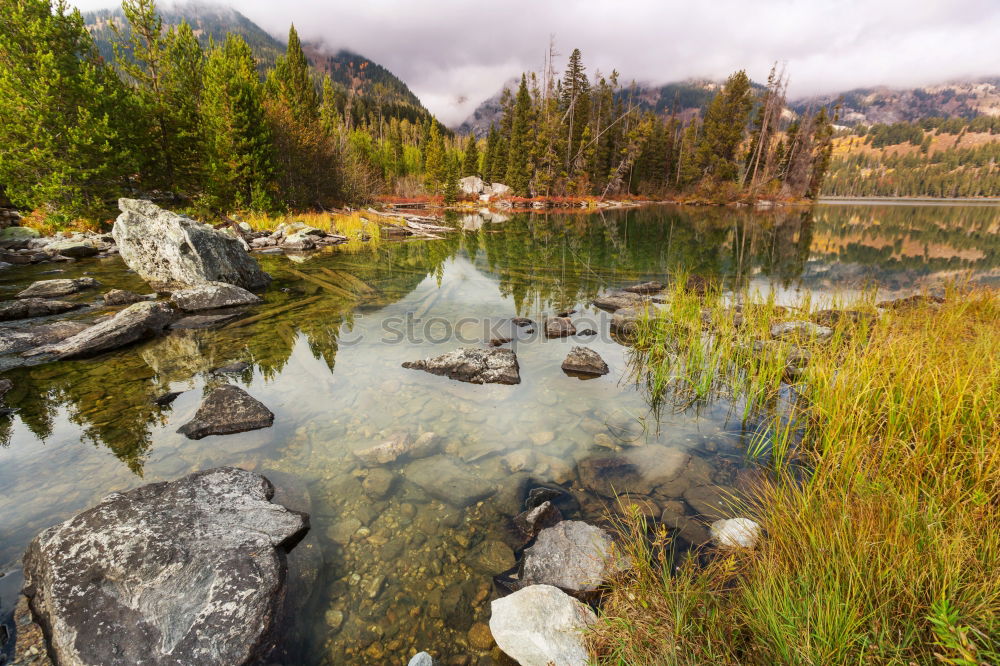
{"x":378,"y":482}
{"x":688,"y":527}
{"x":640,"y":470}
{"x":399,"y":446}
{"x":34,"y":307}
{"x":519,"y":460}
{"x":227,"y":409}
{"x":212,"y":296}
{"x":342,"y":530}
{"x":171,"y":251}
{"x":559,"y":327}
{"x":20,"y":339}
{"x":121,"y":297}
{"x":710,"y":500}
{"x":615,"y":301}
{"x":58,"y":287}
{"x":205,"y":321}
{"x":733,"y":533}
{"x":571,"y":555}
{"x":189,"y":571}
{"x":136,"y":322}
{"x":625,"y":321}
{"x":491,"y":557}
{"x":480,"y":637}
{"x":448,"y":480}
{"x":476,"y":366}
{"x":645,"y":288}
{"x":584,"y":361}
{"x":800,"y":330}
{"x":540,"y":625}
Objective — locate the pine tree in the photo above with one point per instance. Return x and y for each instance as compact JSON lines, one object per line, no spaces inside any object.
{"x":182,"y":82}
{"x":490,"y":155}
{"x":519,"y":161}
{"x":64,"y":114}
{"x":470,"y":160}
{"x":724,"y":129}
{"x":292,"y":82}
{"x":575,"y":97}
{"x":238,"y":141}
{"x":436,"y":166}
{"x":450,"y":188}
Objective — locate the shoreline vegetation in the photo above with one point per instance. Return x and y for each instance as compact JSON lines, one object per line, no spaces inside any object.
{"x":881,"y":438}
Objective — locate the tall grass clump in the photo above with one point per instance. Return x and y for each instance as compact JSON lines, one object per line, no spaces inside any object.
{"x":361,"y":232}
{"x":888,"y":552}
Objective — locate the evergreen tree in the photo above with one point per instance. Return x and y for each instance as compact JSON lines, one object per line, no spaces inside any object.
{"x":238,"y":141}
{"x":292,"y":82}
{"x":450,"y":188}
{"x":470,"y":160}
{"x":519,"y":161}
{"x":724,"y":129}
{"x":490,"y":155}
{"x":436,"y":168}
{"x":575,"y":97}
{"x":64,"y":114}
{"x":182,"y":82}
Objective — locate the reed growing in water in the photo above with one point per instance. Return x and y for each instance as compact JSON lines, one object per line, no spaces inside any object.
{"x":888,"y":550}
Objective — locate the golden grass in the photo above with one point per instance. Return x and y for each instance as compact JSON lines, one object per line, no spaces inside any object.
{"x":361,"y":229}
{"x":889,"y":552}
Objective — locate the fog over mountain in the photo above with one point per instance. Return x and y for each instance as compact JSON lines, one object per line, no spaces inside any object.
{"x":454,"y":54}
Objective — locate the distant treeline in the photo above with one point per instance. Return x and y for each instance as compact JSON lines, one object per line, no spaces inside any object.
{"x":921,"y":131}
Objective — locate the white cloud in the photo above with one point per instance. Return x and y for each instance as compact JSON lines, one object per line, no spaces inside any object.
{"x":449,"y":50}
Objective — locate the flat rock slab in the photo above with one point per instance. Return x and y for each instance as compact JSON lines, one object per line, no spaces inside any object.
{"x":585,"y":361}
{"x":136,"y":322}
{"x":56,"y":288}
{"x":571,"y":555}
{"x":448,"y":480}
{"x":14,"y":340}
{"x":541,"y":625}
{"x":34,"y":307}
{"x":618,"y":300}
{"x":213,"y":296}
{"x":226,"y":410}
{"x":171,"y":251}
{"x":186,"y":572}
{"x":400,"y":445}
{"x":473,"y":365}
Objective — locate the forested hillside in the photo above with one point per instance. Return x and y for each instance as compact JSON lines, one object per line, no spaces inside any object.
{"x":932,"y":157}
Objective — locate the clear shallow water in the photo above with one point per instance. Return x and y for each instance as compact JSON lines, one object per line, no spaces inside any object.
{"x":394,"y":563}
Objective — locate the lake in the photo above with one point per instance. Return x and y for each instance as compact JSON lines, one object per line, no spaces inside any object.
{"x":400,"y":558}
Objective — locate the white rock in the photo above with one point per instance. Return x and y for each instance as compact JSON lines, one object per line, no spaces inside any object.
{"x":541,"y":625}
{"x":499,"y":190}
{"x":732,"y":533}
{"x":471,"y":185}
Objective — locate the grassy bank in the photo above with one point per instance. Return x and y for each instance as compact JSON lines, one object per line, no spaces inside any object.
{"x":889,"y":551}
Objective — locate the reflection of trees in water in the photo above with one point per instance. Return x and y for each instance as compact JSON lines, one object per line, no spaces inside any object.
{"x":877,"y":236}
{"x":554,"y":261}
{"x":111,"y":398}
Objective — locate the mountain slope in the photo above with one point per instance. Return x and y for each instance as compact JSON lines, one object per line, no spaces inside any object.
{"x":211,"y":23}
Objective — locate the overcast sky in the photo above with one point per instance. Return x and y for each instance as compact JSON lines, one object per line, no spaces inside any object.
{"x":455,"y":53}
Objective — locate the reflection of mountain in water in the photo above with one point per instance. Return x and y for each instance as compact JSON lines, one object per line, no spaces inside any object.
{"x":112,"y":397}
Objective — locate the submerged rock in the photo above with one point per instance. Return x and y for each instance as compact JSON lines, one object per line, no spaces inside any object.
{"x":733,"y":533}
{"x":617,"y":300}
{"x":206,"y":321}
{"x":226,"y":410}
{"x":122,"y":297}
{"x":136,"y":322}
{"x":27,"y":308}
{"x":476,"y":366}
{"x":399,"y":446}
{"x":584,"y":361}
{"x":186,"y":572}
{"x":559,"y":327}
{"x":59,"y":287}
{"x":21,"y":339}
{"x":171,"y":251}
{"x":573,"y":556}
{"x":423,"y":659}
{"x":448,"y":480}
{"x":645,"y":288}
{"x":541,"y":625}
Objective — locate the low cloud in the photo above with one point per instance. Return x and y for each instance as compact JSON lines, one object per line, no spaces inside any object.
{"x":454,"y":53}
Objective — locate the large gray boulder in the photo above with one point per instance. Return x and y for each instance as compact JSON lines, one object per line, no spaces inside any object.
{"x":573,"y":556}
{"x":26,"y":308}
{"x":171,"y":251}
{"x":59,"y":287}
{"x":226,"y":410}
{"x":541,"y":625}
{"x":136,"y":322}
{"x":471,"y":185}
{"x":476,"y":366}
{"x":213,"y":295}
{"x":186,"y":572}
